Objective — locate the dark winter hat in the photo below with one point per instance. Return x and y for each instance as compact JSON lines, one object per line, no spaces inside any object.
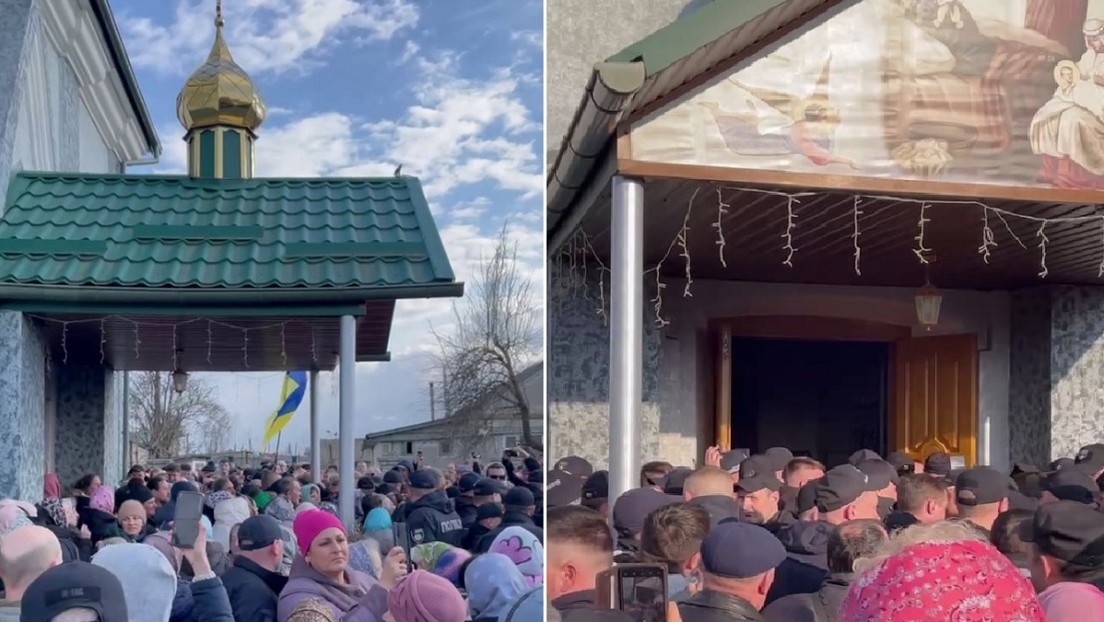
{"x":73,"y":586}
{"x":563,"y":488}
{"x":759,"y":550}
{"x":981,"y":486}
{"x":488,"y":510}
{"x":257,"y":532}
{"x":863,"y":454}
{"x":467,"y":482}
{"x":423,"y":480}
{"x":938,"y":463}
{"x":574,"y":465}
{"x":596,"y":486}
{"x":779,"y":457}
{"x":519,"y":497}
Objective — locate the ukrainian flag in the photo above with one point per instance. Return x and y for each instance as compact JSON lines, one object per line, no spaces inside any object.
{"x":295,"y":387}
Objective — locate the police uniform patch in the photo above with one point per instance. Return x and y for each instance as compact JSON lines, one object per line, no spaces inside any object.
{"x":417,"y":536}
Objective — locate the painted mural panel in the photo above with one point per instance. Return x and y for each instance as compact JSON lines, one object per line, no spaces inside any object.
{"x":1007,"y":92}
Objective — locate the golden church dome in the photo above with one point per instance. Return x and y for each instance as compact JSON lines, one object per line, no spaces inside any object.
{"x":220,"y":93}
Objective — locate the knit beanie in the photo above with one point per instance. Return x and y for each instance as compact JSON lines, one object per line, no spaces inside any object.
{"x":425,"y":597}
{"x":309,"y":524}
{"x":149,"y":582}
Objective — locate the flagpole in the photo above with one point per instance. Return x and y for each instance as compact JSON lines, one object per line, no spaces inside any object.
{"x":277,"y":458}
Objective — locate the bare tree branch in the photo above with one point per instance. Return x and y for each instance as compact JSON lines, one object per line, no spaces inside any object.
{"x":168,"y":423}
{"x":497,"y":335}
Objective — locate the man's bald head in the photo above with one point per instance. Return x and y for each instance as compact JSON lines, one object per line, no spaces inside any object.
{"x":25,"y":554}
{"x":708,"y":481}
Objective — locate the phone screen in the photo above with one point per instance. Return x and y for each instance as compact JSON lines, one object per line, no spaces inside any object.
{"x":186,"y":526}
{"x":642,"y":595}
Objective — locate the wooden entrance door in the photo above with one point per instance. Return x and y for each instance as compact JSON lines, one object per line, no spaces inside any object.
{"x":935,"y":396}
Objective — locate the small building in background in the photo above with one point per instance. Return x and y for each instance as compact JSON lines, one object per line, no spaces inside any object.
{"x":485,"y":431}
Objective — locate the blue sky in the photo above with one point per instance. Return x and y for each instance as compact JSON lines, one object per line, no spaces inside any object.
{"x":451,"y":90}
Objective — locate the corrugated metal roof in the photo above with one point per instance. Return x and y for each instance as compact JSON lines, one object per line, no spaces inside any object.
{"x":176,"y":232}
{"x":700,"y":44}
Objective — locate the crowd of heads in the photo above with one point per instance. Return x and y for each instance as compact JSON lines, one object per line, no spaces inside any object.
{"x":779,"y":537}
{"x":463,"y":542}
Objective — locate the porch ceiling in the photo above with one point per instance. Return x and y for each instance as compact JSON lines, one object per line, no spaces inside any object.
{"x":212,"y":343}
{"x":755,"y":224}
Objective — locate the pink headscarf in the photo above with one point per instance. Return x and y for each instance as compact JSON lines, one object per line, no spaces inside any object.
{"x":51,"y":486}
{"x":103,"y":499}
{"x":941,"y":581}
{"x":425,"y":597}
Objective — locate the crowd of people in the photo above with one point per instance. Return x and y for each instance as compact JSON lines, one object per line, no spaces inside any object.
{"x":781,"y":538}
{"x":459,"y":544}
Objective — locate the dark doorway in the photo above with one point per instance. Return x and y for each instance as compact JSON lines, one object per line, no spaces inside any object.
{"x":825,"y":399}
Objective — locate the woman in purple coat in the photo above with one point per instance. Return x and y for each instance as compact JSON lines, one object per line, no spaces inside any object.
{"x":321,"y":572}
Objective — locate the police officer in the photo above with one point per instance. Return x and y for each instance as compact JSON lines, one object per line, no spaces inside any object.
{"x":430,"y":516}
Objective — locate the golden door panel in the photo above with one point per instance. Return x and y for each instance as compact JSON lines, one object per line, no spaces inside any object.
{"x":935,"y":396}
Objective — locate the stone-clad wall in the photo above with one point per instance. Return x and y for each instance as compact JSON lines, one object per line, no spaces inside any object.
{"x":1057,"y":378}
{"x":1029,"y":381}
{"x":80,"y":422}
{"x":1077,"y":368}
{"x":578,"y":370}
{"x":22,"y":405}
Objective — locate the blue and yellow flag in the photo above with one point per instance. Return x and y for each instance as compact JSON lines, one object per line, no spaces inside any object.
{"x":295,"y":387}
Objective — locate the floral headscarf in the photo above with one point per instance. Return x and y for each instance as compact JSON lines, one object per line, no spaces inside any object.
{"x":103,"y":499}
{"x":525,"y":550}
{"x":966,"y":581}
{"x":425,"y":555}
{"x":217,"y":497}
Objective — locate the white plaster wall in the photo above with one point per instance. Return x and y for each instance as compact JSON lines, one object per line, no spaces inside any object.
{"x":682,"y":388}
{"x":95,"y":156}
{"x":54,"y":131}
{"x":37,"y":136}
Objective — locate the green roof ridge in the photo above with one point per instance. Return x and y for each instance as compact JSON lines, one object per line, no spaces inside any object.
{"x":691,"y":32}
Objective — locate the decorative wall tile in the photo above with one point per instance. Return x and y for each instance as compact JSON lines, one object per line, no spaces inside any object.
{"x":80,"y":423}
{"x":578,"y":370}
{"x":1076,"y":368}
{"x":1029,"y":377}
{"x":22,"y":387}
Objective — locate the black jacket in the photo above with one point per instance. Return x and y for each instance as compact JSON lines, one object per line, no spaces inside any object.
{"x":433,"y":519}
{"x":711,"y":606}
{"x":473,"y":536}
{"x":252,"y":591}
{"x":510,"y":519}
{"x":781,"y":520}
{"x":806,"y":563}
{"x":719,"y":507}
{"x":821,"y":606}
{"x":582,"y":607}
{"x":466,"y":509}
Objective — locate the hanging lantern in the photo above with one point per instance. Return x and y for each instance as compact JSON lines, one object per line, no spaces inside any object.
{"x":928,"y":302}
{"x":180,"y":380}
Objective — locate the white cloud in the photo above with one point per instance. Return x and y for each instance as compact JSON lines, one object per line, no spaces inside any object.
{"x":410,"y":52}
{"x":264,"y":35}
{"x":531,"y":37}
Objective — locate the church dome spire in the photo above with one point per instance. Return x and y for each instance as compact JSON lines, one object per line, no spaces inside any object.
{"x":220,"y":108}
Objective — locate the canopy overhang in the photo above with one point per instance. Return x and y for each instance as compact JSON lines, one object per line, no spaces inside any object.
{"x":754,"y":223}
{"x":148,"y":338}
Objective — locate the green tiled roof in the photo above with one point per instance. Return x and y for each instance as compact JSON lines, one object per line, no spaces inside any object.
{"x":161,"y":232}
